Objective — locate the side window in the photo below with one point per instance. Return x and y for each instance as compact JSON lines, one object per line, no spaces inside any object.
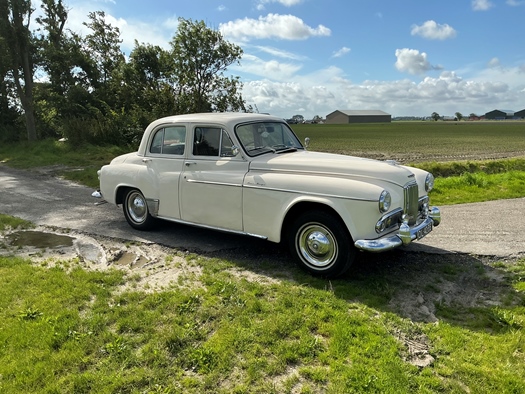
{"x":156,"y":144}
{"x":206,"y":141}
{"x":174,"y":140}
{"x":226,"y":145}
{"x":169,"y":140}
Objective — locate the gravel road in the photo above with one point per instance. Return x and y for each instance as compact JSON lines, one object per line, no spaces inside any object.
{"x":494,"y":228}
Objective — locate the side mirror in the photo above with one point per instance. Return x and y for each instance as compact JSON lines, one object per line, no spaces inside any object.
{"x":306,"y":142}
{"x":235,"y":150}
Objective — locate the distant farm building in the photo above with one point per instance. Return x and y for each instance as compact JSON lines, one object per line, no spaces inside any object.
{"x":358,"y":116}
{"x":520,"y":114}
{"x":500,"y":114}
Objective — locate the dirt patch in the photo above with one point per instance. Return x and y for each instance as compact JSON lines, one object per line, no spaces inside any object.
{"x":151,"y":267}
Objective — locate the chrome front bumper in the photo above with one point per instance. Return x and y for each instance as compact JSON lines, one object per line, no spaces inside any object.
{"x":403,"y":236}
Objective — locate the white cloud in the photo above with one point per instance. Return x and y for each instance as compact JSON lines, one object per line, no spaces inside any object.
{"x":481,"y":5}
{"x":278,"y":52}
{"x":284,"y":27}
{"x":413,"y":62}
{"x":515,"y":3}
{"x":494,"y":62}
{"x":327,"y":90}
{"x":341,"y":52}
{"x":433,"y":31}
{"x":221,"y":8}
{"x":271,"y":69}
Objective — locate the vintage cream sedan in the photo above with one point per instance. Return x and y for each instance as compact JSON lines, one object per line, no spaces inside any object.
{"x":250,"y":174}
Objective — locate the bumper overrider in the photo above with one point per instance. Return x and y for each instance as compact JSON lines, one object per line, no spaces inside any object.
{"x":404,"y":235}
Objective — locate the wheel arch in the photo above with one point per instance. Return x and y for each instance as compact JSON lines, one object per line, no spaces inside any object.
{"x":121,"y":191}
{"x":303,"y":206}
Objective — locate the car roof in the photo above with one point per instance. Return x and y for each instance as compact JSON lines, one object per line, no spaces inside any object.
{"x":229,"y":119}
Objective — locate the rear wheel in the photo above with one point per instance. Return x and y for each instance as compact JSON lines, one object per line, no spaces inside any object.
{"x":320,"y":243}
{"x":136,"y":210}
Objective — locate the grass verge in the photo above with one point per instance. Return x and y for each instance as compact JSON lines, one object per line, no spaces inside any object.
{"x":64,"y":329}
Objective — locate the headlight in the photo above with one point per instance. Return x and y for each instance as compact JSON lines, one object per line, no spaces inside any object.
{"x":429,"y":182}
{"x":385,"y":200}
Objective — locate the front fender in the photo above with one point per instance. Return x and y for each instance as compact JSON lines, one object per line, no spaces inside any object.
{"x":269,"y":197}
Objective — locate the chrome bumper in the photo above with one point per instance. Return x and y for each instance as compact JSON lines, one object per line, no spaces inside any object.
{"x":404,"y":235}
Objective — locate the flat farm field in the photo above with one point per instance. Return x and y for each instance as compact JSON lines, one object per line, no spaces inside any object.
{"x":412,"y":142}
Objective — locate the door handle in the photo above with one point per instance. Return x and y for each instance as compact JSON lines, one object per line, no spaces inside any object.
{"x":146,"y":160}
{"x":189,"y":163}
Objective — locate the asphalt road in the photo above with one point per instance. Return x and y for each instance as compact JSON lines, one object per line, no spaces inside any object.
{"x":495,"y":228}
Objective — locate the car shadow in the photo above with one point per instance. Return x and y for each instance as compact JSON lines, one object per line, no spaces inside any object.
{"x":423,"y":284}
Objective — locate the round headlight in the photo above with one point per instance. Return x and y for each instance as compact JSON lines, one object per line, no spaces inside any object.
{"x":429,"y":182}
{"x":385,"y":200}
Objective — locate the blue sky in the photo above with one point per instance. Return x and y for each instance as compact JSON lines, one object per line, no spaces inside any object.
{"x":311,"y":57}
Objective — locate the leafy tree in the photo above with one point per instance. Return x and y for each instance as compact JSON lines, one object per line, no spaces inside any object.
{"x":459,"y":115}
{"x":18,"y":43}
{"x":147,"y":88}
{"x":298,"y":118}
{"x":201,"y":56}
{"x":102,"y":46}
{"x":8,"y":111}
{"x":435,"y":116}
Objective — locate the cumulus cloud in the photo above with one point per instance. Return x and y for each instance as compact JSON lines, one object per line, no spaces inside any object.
{"x":341,"y":52}
{"x":413,"y":62}
{"x":433,"y":31}
{"x":273,"y":69}
{"x":328,"y":89}
{"x":284,"y":27}
{"x":481,"y":5}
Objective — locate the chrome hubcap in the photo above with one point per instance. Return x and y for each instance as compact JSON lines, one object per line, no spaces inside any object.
{"x":317,"y":245}
{"x":137,"y":208}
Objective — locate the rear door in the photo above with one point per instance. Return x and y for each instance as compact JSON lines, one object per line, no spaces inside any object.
{"x":211,"y":183}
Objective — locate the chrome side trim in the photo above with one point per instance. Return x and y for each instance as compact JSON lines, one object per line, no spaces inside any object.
{"x":213,"y":183}
{"x":330,"y":174}
{"x":309,"y":193}
{"x":224,"y":230}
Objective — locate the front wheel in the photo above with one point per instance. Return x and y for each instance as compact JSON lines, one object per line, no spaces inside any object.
{"x":136,"y":210}
{"x":321,"y":244}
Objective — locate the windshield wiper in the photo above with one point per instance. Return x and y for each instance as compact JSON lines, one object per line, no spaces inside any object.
{"x":262,"y":147}
{"x":287,"y":150}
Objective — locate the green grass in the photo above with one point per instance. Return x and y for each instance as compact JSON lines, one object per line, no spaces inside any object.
{"x":78,"y":164}
{"x":66,"y":330}
{"x":8,"y":222}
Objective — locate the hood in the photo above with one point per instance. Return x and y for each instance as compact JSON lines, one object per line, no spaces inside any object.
{"x":333,"y":164}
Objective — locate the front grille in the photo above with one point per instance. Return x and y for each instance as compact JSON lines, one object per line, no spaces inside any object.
{"x":411,"y":202}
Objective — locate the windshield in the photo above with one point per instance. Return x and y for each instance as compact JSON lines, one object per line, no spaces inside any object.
{"x":263,"y":137}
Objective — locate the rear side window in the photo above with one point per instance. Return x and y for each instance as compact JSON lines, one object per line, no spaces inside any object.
{"x":169,"y":141}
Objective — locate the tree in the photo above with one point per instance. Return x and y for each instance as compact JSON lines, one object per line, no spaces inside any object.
{"x":298,"y":118}
{"x":15,"y":17}
{"x":459,"y":115}
{"x":103,"y":48}
{"x":8,"y":110}
{"x":201,"y":56}
{"x":435,"y":116}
